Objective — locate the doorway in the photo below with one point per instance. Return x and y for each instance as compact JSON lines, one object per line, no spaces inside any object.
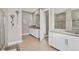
{"x":47,"y":24}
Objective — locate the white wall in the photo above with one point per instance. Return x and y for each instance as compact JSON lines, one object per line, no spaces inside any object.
{"x":59,"y":10}
{"x":42,"y":24}
{"x":36,"y":18}
{"x":26,"y":22}
{"x":51,"y":19}
{"x":13,"y":34}
{"x":68,"y":20}
{"x":37,"y":21}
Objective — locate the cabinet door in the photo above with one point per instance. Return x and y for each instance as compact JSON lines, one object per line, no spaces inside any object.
{"x":31,"y":31}
{"x":51,"y":40}
{"x":37,"y":33}
{"x":60,"y":41}
{"x":73,"y":43}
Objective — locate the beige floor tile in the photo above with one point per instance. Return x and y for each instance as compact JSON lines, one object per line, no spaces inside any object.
{"x":31,"y":43}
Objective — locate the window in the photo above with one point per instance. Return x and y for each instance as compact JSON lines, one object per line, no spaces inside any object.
{"x":75,"y":19}
{"x":60,"y":21}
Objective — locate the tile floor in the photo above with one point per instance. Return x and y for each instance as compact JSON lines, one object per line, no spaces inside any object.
{"x":31,"y":43}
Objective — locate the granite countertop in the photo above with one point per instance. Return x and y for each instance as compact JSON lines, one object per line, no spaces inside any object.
{"x":34,"y":27}
{"x":66,"y":32}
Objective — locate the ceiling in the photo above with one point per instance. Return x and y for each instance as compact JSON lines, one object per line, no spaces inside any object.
{"x":57,"y":10}
{"x":60,"y":10}
{"x":29,"y":9}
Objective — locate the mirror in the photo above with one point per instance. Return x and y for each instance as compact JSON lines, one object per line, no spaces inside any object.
{"x":75,"y":20}
{"x":60,"y":21}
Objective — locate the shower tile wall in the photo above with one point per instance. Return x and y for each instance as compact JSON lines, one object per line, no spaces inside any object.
{"x":12,"y":34}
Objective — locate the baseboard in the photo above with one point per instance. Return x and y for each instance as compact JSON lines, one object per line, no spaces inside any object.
{"x":14,"y":43}
{"x":25,"y":34}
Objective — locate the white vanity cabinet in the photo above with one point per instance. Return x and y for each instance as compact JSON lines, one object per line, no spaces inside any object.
{"x":51,"y":40}
{"x":64,"y":42}
{"x":73,"y":43}
{"x":69,"y":21}
{"x":58,"y":41}
{"x":35,"y":32}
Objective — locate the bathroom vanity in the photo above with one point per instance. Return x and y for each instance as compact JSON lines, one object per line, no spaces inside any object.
{"x":35,"y":32}
{"x":35,"y":27}
{"x":65,"y":33}
{"x":64,"y":41}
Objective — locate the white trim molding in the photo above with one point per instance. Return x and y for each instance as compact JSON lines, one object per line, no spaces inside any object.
{"x":13,"y":43}
{"x":25,"y":34}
